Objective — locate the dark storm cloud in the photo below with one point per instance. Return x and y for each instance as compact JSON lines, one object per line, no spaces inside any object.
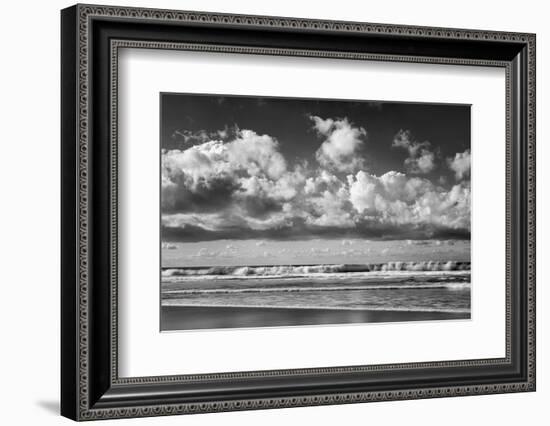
{"x":299,"y":231}
{"x":260,"y":207}
{"x":203,"y":195}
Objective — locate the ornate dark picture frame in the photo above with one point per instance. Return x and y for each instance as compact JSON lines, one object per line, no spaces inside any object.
{"x":90,"y":385}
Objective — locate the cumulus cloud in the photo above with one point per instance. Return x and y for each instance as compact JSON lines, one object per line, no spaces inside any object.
{"x":208,"y":176}
{"x":243,"y":187}
{"x":395,"y":199}
{"x":421,"y":159}
{"x":341,"y":144}
{"x":460,"y":164}
{"x":330,"y":209}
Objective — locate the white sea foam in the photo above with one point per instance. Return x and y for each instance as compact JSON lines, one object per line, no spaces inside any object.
{"x":291,"y":270}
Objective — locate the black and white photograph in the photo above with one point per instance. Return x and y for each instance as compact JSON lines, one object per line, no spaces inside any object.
{"x":268,"y":207}
{"x":293,"y":211}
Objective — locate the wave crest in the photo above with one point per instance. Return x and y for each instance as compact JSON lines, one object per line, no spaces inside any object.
{"x":284,"y":270}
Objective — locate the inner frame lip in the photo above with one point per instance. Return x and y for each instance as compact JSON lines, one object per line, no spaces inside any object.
{"x":116,"y":44}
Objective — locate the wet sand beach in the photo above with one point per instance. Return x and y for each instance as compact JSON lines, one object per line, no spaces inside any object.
{"x":212,"y":317}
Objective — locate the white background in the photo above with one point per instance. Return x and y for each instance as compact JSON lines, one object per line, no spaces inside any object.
{"x":146,"y":352}
{"x":29,"y":225}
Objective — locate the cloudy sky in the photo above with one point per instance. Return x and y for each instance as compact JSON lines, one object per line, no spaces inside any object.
{"x":278,"y":168}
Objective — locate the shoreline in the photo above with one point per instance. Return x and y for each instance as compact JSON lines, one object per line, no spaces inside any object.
{"x":173,"y":318}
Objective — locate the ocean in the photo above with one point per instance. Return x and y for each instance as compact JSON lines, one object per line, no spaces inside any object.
{"x":416,"y":287}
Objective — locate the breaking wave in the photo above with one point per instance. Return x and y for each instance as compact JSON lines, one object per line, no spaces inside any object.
{"x":285,"y":270}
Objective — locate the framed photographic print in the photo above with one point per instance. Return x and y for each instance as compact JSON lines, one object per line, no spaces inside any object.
{"x":263,"y":212}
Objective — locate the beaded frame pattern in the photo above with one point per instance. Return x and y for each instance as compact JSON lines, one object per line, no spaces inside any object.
{"x":86,"y":12}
